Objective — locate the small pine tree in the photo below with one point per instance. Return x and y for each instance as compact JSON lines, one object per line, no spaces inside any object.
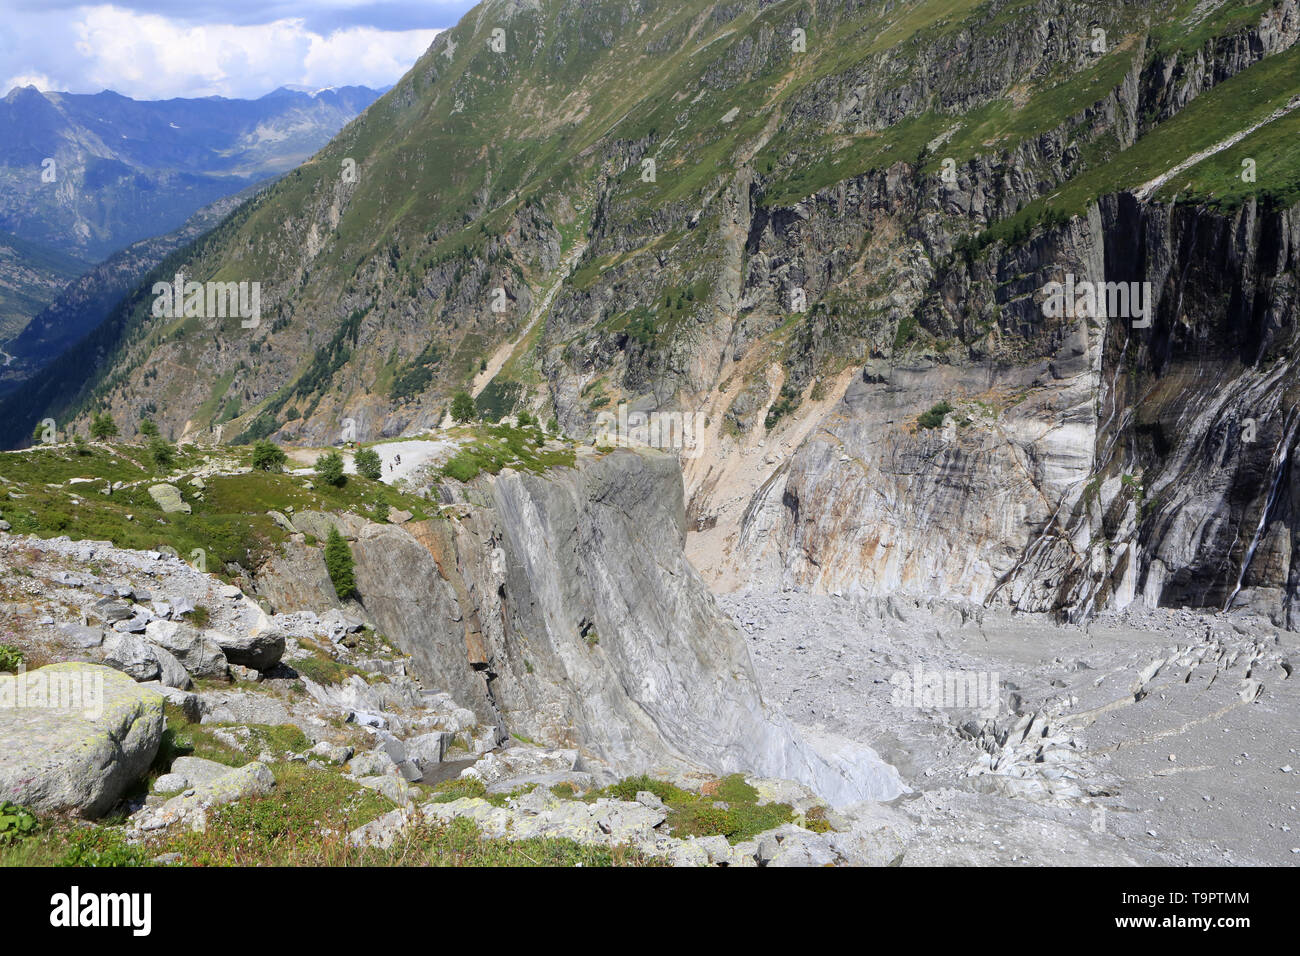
{"x":368,"y":464}
{"x":268,"y":456}
{"x":329,"y":469}
{"x":462,"y":407}
{"x":148,"y":428}
{"x":338,"y":561}
{"x":102,"y":426}
{"x":161,"y":453}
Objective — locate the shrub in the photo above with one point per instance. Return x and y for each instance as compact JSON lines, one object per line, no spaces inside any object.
{"x":10,"y":658}
{"x":462,"y":407}
{"x":148,"y":428}
{"x":368,"y":464}
{"x":329,"y":469}
{"x":934,"y":417}
{"x":200,"y":616}
{"x":338,"y":561}
{"x":463,"y":466}
{"x":161,"y":453}
{"x":268,"y":456}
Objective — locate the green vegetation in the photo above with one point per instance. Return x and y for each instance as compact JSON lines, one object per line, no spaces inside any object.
{"x":339,"y":563}
{"x":462,"y":408}
{"x":15,"y":823}
{"x":935,"y":416}
{"x":229,"y":522}
{"x":1231,"y":106}
{"x":786,"y":402}
{"x":458,"y":789}
{"x":329,"y":469}
{"x":323,"y":669}
{"x":368,"y":464}
{"x":417,"y":377}
{"x":102,"y":426}
{"x":499,"y":446}
{"x":11,"y":658}
{"x":161,"y":453}
{"x":497,"y":400}
{"x":268,"y":456}
{"x":729,"y":807}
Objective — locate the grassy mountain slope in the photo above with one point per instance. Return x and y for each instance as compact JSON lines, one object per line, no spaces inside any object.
{"x":482,"y":168}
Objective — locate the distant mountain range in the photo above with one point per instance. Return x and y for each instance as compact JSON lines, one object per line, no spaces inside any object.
{"x":91,"y":174}
{"x":85,"y":179}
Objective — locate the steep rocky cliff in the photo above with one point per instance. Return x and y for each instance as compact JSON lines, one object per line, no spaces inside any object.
{"x":561,"y":608}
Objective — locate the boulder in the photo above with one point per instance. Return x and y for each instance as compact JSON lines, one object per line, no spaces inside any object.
{"x":332,"y":753}
{"x":375,"y":763}
{"x":132,"y":656}
{"x":132,"y":625}
{"x":520,"y":761}
{"x":790,"y":845}
{"x":77,"y":759}
{"x":201,"y":656}
{"x":169,"y":499}
{"x":260,"y":650}
{"x":191,"y":806}
{"x":172,"y":672}
{"x":242,"y":707}
{"x":338,"y":624}
{"x":197,"y":772}
{"x":82,"y":636}
{"x":110,"y":610}
{"x":427,"y":750}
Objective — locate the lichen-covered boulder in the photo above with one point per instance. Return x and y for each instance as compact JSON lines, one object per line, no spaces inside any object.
{"x":169,"y":499}
{"x":74,"y":737}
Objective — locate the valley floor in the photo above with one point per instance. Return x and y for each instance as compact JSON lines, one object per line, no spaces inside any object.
{"x":1165,"y":737}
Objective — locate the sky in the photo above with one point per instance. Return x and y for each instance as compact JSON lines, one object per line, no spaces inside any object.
{"x":158,"y":49}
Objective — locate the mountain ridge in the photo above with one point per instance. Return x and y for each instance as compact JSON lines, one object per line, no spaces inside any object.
{"x":915,"y":175}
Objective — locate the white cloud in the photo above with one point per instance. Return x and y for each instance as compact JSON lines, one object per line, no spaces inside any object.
{"x":150,"y":56}
{"x":38,"y":80}
{"x":381,"y":54}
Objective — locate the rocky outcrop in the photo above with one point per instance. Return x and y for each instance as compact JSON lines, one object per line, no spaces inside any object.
{"x":205,"y":785}
{"x":80,"y":737}
{"x":562,"y":608}
{"x":1106,"y":462}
